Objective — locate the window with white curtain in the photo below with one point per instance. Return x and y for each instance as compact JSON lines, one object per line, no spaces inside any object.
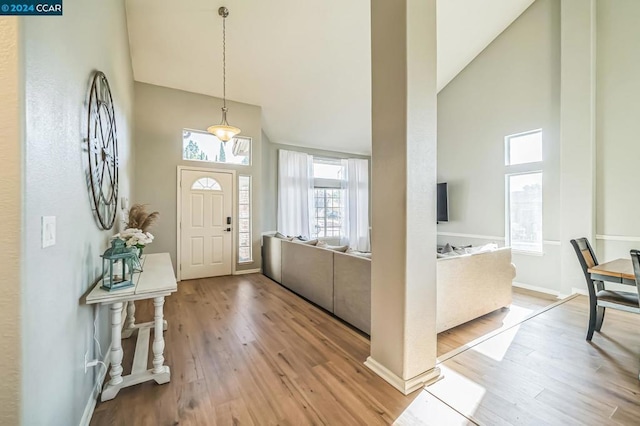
{"x":326,"y":197}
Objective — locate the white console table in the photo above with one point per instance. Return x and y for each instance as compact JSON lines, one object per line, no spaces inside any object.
{"x":156,"y":282}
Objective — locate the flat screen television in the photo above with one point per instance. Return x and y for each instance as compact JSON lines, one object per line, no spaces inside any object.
{"x":442,"y":203}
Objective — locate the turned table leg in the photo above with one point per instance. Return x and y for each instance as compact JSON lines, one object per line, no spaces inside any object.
{"x":116,"y":353}
{"x":159,"y":369}
{"x":130,"y":323}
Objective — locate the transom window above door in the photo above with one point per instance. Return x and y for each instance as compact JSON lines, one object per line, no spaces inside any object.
{"x":206,"y":184}
{"x":202,"y":146}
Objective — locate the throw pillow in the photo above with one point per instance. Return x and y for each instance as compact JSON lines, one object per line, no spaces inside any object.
{"x":282,"y":236}
{"x":447,"y":249}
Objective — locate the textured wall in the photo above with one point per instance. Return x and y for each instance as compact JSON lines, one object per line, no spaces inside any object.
{"x":60,"y":54}
{"x":160,"y":115}
{"x":617,"y":125}
{"x":10,"y":206}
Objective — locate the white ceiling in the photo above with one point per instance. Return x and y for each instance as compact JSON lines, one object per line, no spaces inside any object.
{"x":307,"y":63}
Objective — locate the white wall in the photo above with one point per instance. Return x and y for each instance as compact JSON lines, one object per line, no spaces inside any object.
{"x":11,"y":209}
{"x":60,"y":54}
{"x":511,"y":87}
{"x":617,"y":127}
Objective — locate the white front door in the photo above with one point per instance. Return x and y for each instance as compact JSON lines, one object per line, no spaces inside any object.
{"x":206,"y":206}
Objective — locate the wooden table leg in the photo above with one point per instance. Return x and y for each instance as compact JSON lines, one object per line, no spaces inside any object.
{"x":160,"y":371}
{"x":113,"y":387}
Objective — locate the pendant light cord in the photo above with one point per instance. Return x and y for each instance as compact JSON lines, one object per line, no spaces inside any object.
{"x":224,"y":62}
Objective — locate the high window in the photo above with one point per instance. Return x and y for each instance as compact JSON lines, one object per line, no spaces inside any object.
{"x":203,"y":146}
{"x":523,"y":191}
{"x":329,"y":198}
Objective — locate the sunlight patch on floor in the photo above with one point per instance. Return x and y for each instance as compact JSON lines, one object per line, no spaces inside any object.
{"x":453,"y":382}
{"x":516,"y":314}
{"x":499,"y":344}
{"x":429,"y":410}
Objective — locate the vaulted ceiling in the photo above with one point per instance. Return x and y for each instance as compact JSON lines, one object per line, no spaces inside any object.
{"x":306,"y":63}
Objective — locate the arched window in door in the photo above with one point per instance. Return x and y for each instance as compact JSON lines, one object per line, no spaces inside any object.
{"x":206,"y":184}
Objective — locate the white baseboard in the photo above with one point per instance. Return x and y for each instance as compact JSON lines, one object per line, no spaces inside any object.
{"x":539,"y":289}
{"x":248,"y":271}
{"x":404,"y":386}
{"x":95,"y":392}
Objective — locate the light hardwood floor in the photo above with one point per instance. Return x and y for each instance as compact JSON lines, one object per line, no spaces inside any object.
{"x":544,"y":372}
{"x":244,"y":350}
{"x":525,"y":303}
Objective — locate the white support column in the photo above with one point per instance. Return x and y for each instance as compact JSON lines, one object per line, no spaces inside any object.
{"x":577,"y":133}
{"x":403,"y":274}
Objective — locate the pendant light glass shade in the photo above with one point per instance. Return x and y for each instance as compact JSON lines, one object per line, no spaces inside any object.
{"x":224,"y":131}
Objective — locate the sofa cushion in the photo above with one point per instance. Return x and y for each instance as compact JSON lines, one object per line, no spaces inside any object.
{"x":308,"y":242}
{"x":482,"y":249}
{"x":353,"y":252}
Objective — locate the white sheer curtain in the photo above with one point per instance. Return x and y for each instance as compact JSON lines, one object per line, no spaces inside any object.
{"x":357,"y":206}
{"x":295,"y":192}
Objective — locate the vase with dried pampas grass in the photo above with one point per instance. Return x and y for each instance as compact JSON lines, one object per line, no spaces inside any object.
{"x":140,"y":219}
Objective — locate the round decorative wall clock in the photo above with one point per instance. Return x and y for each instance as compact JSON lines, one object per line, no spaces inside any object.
{"x":103,"y":151}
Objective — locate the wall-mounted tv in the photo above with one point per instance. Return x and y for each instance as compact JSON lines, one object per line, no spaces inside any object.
{"x":443,"y":203}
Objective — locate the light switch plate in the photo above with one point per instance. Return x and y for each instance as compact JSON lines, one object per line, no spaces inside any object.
{"x":48,"y":231}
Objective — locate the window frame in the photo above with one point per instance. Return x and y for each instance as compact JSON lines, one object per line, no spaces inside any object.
{"x":535,"y":167}
{"x":508,"y":238}
{"x":250,"y":232}
{"x":315,"y":209}
{"x":327,"y":184}
{"x":507,"y":147}
{"x":205,"y":133}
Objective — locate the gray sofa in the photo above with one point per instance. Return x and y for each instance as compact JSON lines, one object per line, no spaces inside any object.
{"x":338,"y":282}
{"x":468,"y":286}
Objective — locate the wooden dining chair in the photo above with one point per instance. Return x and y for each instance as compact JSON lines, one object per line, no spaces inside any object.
{"x":599,"y":297}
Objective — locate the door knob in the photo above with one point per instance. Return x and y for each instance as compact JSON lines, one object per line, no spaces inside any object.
{"x":228,"y":230}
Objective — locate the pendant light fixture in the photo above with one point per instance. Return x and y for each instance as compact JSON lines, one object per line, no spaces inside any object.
{"x":224,"y":131}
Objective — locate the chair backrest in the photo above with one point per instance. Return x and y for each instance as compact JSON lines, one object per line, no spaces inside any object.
{"x":635,"y":259}
{"x":587,"y":259}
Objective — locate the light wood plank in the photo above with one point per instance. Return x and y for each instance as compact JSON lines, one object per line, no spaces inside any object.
{"x":142,"y":351}
{"x":619,"y":268}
